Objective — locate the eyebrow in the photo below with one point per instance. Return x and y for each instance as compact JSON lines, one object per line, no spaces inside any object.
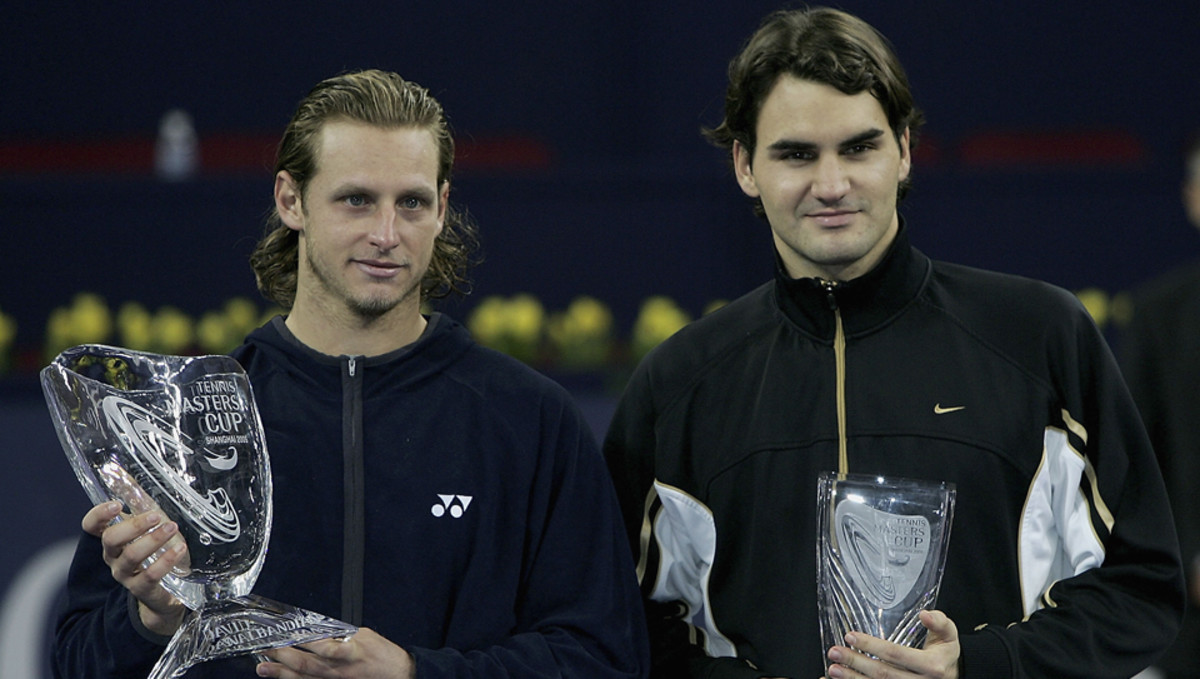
{"x":347,"y":187}
{"x":353,"y":187}
{"x":788,"y":145}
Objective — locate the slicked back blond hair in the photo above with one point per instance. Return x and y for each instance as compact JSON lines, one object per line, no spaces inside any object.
{"x":378,"y":98}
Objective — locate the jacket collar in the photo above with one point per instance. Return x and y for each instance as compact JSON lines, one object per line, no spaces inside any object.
{"x":441,"y":344}
{"x":865,"y":302}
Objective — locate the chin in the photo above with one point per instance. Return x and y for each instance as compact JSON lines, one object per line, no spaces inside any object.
{"x":374,"y":307}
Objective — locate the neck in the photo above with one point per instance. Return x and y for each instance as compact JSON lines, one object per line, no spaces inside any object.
{"x":344,"y":333}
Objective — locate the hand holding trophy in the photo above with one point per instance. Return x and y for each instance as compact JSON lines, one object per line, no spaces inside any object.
{"x":181,"y":435}
{"x":881,"y":550}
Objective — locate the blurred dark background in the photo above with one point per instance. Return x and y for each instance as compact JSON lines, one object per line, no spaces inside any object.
{"x":1052,"y":150}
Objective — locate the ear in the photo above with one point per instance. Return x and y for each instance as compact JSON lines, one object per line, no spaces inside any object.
{"x":288,"y":202}
{"x":743,"y":167}
{"x":1191,"y":196}
{"x":905,"y":154}
{"x":443,"y":203}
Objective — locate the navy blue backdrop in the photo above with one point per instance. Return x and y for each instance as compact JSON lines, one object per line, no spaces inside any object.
{"x":1052,"y":150}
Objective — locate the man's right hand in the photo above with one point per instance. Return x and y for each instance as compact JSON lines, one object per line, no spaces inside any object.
{"x":127,"y":545}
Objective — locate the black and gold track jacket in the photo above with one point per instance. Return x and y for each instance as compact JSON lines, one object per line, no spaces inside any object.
{"x":1062,"y":559}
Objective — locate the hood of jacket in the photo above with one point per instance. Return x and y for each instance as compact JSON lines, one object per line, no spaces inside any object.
{"x":442,"y":343}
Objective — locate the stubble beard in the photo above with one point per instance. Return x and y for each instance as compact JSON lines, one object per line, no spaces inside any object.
{"x":834,"y":250}
{"x":367,"y":307}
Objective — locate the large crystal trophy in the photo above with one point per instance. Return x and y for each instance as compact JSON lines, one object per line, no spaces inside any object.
{"x":182,"y":435}
{"x":881,"y":551}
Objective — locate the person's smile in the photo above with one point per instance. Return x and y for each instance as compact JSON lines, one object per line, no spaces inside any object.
{"x":378,"y":268}
{"x":833,"y":218}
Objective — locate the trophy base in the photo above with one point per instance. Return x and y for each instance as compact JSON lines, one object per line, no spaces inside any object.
{"x":242,"y":626}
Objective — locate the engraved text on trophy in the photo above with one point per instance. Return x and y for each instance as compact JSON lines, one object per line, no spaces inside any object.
{"x":886,"y":553}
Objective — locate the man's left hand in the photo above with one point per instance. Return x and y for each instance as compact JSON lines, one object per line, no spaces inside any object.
{"x":938,"y":658}
{"x":366,"y":655}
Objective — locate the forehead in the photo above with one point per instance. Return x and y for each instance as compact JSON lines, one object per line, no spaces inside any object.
{"x":812,"y":111}
{"x":349,"y":147}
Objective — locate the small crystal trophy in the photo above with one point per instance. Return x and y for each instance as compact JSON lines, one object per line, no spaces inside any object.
{"x":182,"y":435}
{"x":881,"y":550}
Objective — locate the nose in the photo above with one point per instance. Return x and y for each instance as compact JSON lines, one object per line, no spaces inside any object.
{"x":831,"y":182}
{"x":385,"y":233}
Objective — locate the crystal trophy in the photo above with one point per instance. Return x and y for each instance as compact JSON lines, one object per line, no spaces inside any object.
{"x":182,"y":435}
{"x":881,"y":551}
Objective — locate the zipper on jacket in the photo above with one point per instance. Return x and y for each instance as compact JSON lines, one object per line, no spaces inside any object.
{"x":353,"y":482}
{"x":839,"y":360}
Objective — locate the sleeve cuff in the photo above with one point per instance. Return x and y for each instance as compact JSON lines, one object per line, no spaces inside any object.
{"x":983,"y":655}
{"x":135,"y":619}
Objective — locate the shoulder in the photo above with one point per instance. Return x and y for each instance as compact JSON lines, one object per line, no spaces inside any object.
{"x":708,"y":338}
{"x":503,"y":384}
{"x":492,"y":370}
{"x":250,"y":354}
{"x":708,"y":342}
{"x":1039,"y":326}
{"x":982,"y":297}
{"x":974,"y":283}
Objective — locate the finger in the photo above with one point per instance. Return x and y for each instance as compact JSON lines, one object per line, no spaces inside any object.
{"x":98,"y":517}
{"x":849,"y":663}
{"x":863,"y":646}
{"x":865,"y":643}
{"x":271,"y":665}
{"x":271,"y":668}
{"x":131,"y":557}
{"x":118,"y":535}
{"x":338,"y":650}
{"x":152,"y":531}
{"x":295,"y":662}
{"x":160,"y":610}
{"x":281,"y":671}
{"x":170,"y":557}
{"x":941,"y":628}
{"x":121,"y":538}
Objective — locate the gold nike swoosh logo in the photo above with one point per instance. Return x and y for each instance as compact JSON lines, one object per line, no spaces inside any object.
{"x":939,"y":410}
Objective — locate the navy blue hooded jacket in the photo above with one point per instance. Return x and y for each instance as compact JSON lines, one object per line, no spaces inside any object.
{"x":444,"y":495}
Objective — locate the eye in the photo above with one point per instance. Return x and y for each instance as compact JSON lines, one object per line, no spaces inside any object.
{"x":412,"y":203}
{"x":355,"y":200}
{"x":798,"y":156}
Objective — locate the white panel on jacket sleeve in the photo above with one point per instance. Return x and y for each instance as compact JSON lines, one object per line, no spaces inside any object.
{"x":1057,"y":539}
{"x":687,"y":542}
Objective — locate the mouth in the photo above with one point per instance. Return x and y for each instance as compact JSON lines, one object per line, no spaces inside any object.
{"x":377,"y":268}
{"x":833,"y":218}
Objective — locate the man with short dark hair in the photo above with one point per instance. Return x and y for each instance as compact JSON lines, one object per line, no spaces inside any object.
{"x":864,"y":356}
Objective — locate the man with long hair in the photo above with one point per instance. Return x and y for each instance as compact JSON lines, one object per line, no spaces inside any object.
{"x":446,"y":499}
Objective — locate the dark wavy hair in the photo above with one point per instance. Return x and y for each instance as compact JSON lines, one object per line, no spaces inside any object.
{"x":377,"y":98}
{"x":822,"y":45}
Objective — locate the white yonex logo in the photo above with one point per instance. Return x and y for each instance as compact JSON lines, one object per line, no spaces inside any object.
{"x":454,"y":505}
